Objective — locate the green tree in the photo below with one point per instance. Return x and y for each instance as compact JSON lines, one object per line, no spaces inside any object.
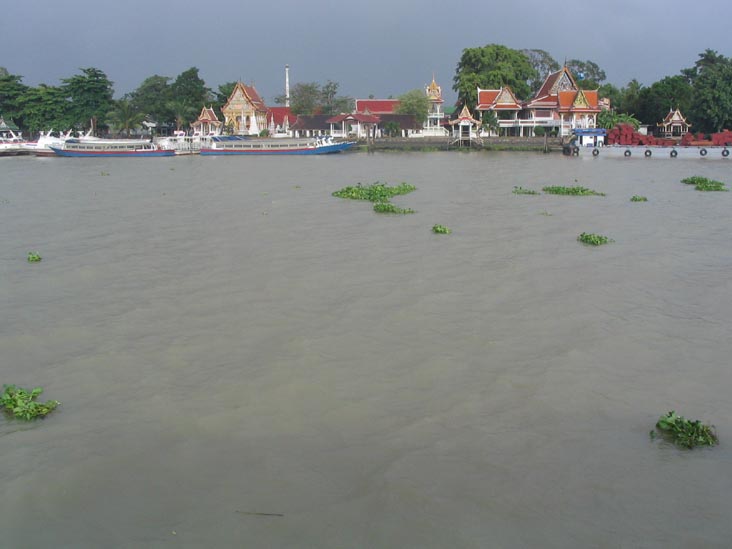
{"x":589,"y":75}
{"x":190,"y":88}
{"x":491,"y":67}
{"x":11,"y":92}
{"x":152,"y":98}
{"x":183,"y":112}
{"x":610,"y":118}
{"x":124,"y":116}
{"x":331,"y":103}
{"x":543,"y":63}
{"x":305,"y":98}
{"x":630,"y":97}
{"x":45,"y":108}
{"x":669,"y":93}
{"x":490,"y":122}
{"x":711,"y":106}
{"x":90,"y":95}
{"x":223,"y":93}
{"x":414,"y":102}
{"x":391,"y":129}
{"x":609,"y":91}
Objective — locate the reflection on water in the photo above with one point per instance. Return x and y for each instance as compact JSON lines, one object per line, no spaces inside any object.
{"x":230,"y":343}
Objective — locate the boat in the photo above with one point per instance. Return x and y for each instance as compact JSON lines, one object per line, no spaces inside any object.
{"x":11,"y":143}
{"x":590,"y":143}
{"x":233,"y":144}
{"x":110,"y":148}
{"x":46,"y":140}
{"x":182,"y":143}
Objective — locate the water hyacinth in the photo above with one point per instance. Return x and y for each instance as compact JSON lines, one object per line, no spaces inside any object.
{"x":593,"y":239}
{"x":34,"y":257}
{"x":21,"y":403}
{"x":571,"y":191}
{"x":440,"y":229}
{"x":636,"y":198}
{"x":521,"y":190}
{"x":376,"y":192}
{"x":388,"y":207}
{"x":686,"y":433}
{"x":705,"y":184}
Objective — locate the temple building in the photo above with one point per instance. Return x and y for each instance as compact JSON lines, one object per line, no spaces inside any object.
{"x":434,"y":126}
{"x":280,"y":121}
{"x":245,"y":112}
{"x":503,"y":104}
{"x":559,"y":104}
{"x":674,"y":125}
{"x":207,"y":122}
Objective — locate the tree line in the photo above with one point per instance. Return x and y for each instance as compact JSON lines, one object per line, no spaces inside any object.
{"x":702,"y":92}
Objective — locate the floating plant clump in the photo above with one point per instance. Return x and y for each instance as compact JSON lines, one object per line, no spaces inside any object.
{"x":379,"y":193}
{"x":636,"y":198}
{"x":376,"y":192}
{"x":34,"y":257}
{"x":521,"y":190}
{"x":388,"y":207}
{"x":440,"y":229}
{"x":686,"y":433}
{"x":571,"y":191}
{"x":22,"y":404}
{"x":704,"y":184}
{"x":594,"y":239}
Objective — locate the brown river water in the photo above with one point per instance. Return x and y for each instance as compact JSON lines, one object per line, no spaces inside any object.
{"x":244,"y":360}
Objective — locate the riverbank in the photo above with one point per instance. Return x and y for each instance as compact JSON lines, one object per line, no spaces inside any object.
{"x":427,"y":144}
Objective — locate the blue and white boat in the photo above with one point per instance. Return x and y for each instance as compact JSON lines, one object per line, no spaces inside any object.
{"x":232,"y":144}
{"x":110,"y":148}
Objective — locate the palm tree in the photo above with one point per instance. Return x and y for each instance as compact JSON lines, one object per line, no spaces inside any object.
{"x":124,"y":116}
{"x":183,"y":111}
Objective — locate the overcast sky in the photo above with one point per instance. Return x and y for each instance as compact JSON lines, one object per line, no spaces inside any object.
{"x":379,"y":47}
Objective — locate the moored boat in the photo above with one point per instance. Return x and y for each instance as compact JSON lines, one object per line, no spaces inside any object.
{"x":11,"y":143}
{"x":231,"y":145}
{"x":110,"y":148}
{"x":591,"y":143}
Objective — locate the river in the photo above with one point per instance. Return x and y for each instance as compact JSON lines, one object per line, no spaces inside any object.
{"x":244,"y":360}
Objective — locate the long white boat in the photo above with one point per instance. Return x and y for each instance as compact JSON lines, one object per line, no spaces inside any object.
{"x":110,"y":148}
{"x":231,"y":145}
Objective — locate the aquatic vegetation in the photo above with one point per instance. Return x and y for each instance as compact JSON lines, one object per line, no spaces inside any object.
{"x":572,"y":191}
{"x":636,"y":198}
{"x":376,"y":192}
{"x":594,"y":239}
{"x":704,"y":184}
{"x":388,"y":207}
{"x":34,"y":257}
{"x":694,"y":180}
{"x":686,"y":433}
{"x":521,"y":190}
{"x":22,"y":404}
{"x":440,"y":229}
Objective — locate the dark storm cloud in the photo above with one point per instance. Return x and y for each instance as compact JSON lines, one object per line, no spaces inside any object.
{"x":377,"y":47}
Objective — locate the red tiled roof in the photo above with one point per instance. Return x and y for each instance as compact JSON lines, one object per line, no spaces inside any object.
{"x":501,"y":100}
{"x":377,"y":106}
{"x":279,"y":114}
